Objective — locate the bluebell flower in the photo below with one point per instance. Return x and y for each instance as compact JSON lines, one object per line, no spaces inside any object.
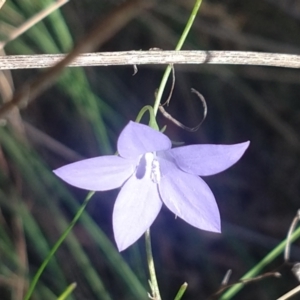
{"x":151,"y":174}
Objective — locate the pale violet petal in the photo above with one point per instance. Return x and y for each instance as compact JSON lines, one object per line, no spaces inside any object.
{"x":207,"y":160}
{"x":136,"y":207}
{"x":137,"y":139}
{"x":188,"y":197}
{"x":99,"y":173}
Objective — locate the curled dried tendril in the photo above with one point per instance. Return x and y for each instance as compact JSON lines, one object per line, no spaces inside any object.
{"x":179,"y":124}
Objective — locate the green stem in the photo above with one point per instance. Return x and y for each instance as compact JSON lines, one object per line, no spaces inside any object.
{"x":151,"y":267}
{"x":181,"y":291}
{"x":67,"y":292}
{"x":153,"y":279}
{"x":178,"y":47}
{"x":56,"y":246}
{"x":257,"y":269}
{"x":152,"y":120}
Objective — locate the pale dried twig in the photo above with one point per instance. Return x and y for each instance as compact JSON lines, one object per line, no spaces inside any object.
{"x":245,"y":281}
{"x":32,"y":21}
{"x":226,"y":278}
{"x":289,"y":235}
{"x":290,"y":293}
{"x":2,"y":2}
{"x":153,"y":57}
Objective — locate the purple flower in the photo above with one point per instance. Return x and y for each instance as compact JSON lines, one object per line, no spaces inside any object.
{"x":150,"y":173}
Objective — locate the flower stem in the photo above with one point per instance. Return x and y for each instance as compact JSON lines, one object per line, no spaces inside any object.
{"x":178,"y":47}
{"x":56,"y":246}
{"x":152,"y":120}
{"x":151,"y":267}
{"x":153,"y":279}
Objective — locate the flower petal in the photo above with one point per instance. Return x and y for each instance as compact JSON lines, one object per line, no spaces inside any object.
{"x":137,"y":139}
{"x":99,"y":173}
{"x":188,"y":197}
{"x":207,"y":160}
{"x":136,"y":207}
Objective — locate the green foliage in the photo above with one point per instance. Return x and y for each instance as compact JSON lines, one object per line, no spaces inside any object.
{"x":86,"y":110}
{"x":42,"y":187}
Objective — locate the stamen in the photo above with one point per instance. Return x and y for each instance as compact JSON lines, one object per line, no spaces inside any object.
{"x":155,"y":171}
{"x":152,"y":169}
{"x":149,"y":158}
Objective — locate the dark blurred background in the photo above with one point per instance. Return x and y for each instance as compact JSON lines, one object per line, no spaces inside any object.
{"x":83,"y":114}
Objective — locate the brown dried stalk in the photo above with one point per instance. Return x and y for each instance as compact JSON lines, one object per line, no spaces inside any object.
{"x":101,"y":33}
{"x":32,"y":21}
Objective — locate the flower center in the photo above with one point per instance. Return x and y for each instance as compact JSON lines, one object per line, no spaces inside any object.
{"x":149,"y":167}
{"x":155,"y":171}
